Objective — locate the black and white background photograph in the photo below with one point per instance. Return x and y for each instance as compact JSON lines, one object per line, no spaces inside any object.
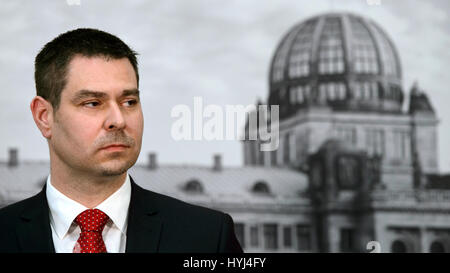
{"x":318,"y":126}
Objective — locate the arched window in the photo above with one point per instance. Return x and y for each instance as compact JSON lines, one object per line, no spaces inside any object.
{"x":398,"y":246}
{"x":300,"y":95}
{"x":293,"y":95}
{"x":341,"y":91}
{"x":332,"y":91}
{"x":261,"y":187}
{"x":374,"y":90}
{"x":193,"y":186}
{"x":437,"y":247}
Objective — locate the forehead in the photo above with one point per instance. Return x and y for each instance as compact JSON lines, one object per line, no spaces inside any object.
{"x":99,"y":73}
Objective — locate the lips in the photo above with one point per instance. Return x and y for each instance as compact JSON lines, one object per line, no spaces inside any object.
{"x":117,"y":146}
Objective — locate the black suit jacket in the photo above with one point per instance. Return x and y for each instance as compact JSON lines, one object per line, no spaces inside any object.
{"x":156,"y":223}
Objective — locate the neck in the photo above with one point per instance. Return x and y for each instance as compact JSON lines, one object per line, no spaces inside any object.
{"x":84,"y":188}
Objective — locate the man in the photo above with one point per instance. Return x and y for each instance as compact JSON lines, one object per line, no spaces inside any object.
{"x":88,"y":108}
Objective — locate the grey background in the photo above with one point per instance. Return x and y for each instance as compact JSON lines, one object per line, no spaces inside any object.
{"x":220,"y":50}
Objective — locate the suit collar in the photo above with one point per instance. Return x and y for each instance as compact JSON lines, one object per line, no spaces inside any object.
{"x":63,"y":209}
{"x":33,"y":229}
{"x":143,"y":233}
{"x":144,"y":222}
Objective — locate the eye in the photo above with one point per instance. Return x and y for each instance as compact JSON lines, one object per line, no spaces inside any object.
{"x":91,"y":104}
{"x":131,"y":102}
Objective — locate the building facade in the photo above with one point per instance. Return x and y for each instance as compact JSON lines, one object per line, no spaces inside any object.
{"x":370,"y":154}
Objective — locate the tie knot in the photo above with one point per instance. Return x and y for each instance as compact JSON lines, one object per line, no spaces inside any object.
{"x":92,"y":220}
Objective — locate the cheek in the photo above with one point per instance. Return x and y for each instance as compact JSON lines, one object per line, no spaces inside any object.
{"x":76,"y":133}
{"x":136,"y":125}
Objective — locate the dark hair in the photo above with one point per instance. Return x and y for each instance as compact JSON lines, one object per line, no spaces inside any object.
{"x":52,"y":61}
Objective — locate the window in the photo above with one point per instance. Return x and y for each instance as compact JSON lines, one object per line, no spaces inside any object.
{"x":286,"y":148}
{"x":282,"y":94}
{"x":254,"y":236}
{"x":395,"y":93}
{"x":364,"y":52}
{"x":193,"y":186}
{"x":387,"y":93}
{"x":365,"y":90}
{"x":303,"y":237}
{"x":261,"y":187}
{"x":374,"y":90}
{"x":293,"y":95}
{"x":270,"y":236}
{"x":322,"y":97}
{"x":261,"y":156}
{"x":253,"y":150}
{"x":402,"y":144}
{"x":239,"y":231}
{"x":348,"y":171}
{"x":287,"y":237}
{"x":332,"y":91}
{"x":299,"y":94}
{"x":341,"y":91}
{"x":437,"y":247}
{"x":347,"y":134}
{"x":307,"y":91}
{"x":273,"y":158}
{"x":301,"y":51}
{"x":398,"y":246}
{"x":347,"y":242}
{"x":375,"y":141}
{"x":388,"y":58}
{"x":331,"y":52}
{"x":281,"y":56}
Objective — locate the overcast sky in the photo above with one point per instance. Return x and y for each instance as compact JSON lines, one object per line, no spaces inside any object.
{"x":220,"y":50}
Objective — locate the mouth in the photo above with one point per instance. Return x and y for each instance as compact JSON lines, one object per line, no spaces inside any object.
{"x":115,"y":147}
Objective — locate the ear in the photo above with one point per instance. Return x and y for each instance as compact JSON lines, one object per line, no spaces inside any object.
{"x":42,"y":111}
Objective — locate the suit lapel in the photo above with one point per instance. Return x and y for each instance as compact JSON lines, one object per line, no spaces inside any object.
{"x":143,"y":232}
{"x":144,"y":222}
{"x":33,"y":228}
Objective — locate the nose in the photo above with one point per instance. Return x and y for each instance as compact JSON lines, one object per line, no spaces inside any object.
{"x":115,"y":119}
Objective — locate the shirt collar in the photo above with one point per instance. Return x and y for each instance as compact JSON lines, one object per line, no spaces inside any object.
{"x":63,"y":210}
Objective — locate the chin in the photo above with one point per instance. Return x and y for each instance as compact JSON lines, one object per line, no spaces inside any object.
{"x":115,"y":168}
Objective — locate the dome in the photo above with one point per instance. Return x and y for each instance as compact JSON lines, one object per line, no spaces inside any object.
{"x":341,"y":60}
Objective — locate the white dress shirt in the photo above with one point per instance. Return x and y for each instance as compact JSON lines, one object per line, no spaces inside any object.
{"x":63,"y":211}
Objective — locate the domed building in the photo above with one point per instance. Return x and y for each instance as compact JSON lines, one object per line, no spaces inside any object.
{"x":339,"y":75}
{"x":371,"y":160}
{"x":341,"y":60}
{"x":356,"y":164}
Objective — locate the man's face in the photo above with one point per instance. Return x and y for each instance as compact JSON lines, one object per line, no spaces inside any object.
{"x":99,"y":107}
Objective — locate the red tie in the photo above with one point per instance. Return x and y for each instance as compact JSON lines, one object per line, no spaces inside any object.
{"x":91,"y":222}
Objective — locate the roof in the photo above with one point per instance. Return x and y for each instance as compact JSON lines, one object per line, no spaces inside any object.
{"x":229,"y":185}
{"x":22,"y":181}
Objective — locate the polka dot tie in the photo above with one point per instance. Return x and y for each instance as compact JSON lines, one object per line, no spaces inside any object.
{"x":91,"y":223}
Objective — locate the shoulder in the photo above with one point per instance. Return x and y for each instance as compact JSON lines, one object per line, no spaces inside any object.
{"x":10,"y":218}
{"x":16,"y":209}
{"x":200,"y":229}
{"x":170,"y":207}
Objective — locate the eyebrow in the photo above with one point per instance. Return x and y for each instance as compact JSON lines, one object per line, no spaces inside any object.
{"x":84,"y":94}
{"x":130,"y":92}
